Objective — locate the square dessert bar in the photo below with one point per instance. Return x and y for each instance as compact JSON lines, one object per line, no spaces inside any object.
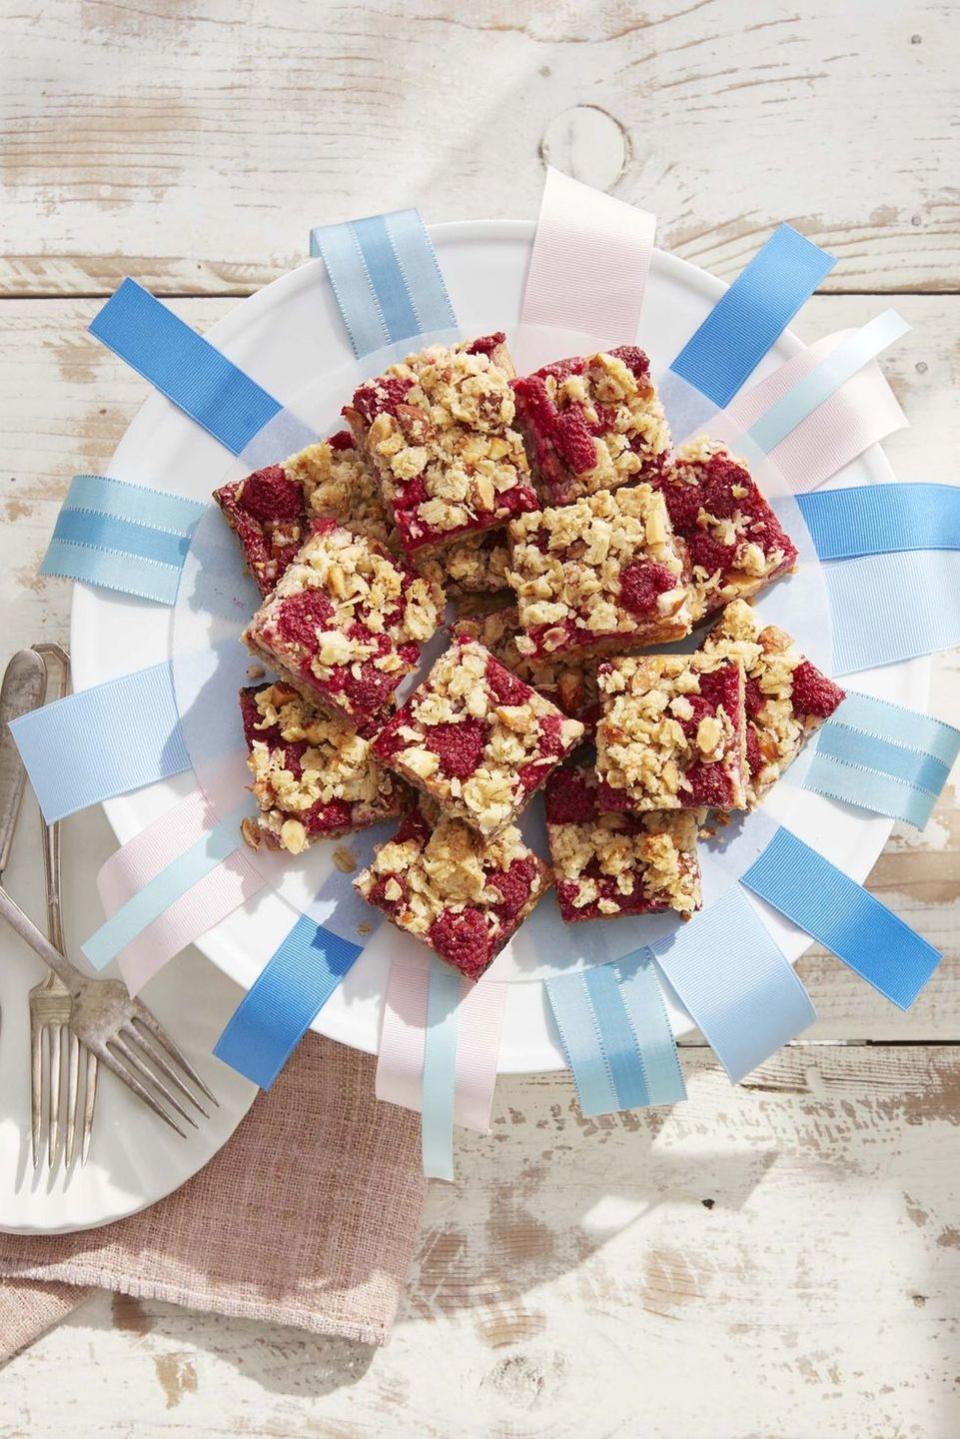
{"x":571,"y":687}
{"x":476,"y":739}
{"x":592,"y":423}
{"x":603,"y":575}
{"x":477,"y":565}
{"x":787,"y":697}
{"x":345,"y":623}
{"x":271,"y":511}
{"x":612,"y":864}
{"x":438,"y":430}
{"x":672,"y":734}
{"x":735,"y":543}
{"x":313,"y":777}
{"x":460,"y":894}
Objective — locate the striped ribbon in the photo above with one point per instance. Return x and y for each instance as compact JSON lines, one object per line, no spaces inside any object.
{"x":873,"y":941}
{"x":741,"y":328}
{"x":386,"y":279}
{"x":882,"y":757}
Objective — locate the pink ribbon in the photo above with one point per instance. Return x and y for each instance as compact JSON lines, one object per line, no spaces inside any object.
{"x":590,"y":262}
{"x":403,"y":1037}
{"x":198,"y":909}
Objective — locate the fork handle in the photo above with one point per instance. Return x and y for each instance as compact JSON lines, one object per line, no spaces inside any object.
{"x":72,"y":977}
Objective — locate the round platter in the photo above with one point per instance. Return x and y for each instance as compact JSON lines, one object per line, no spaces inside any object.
{"x":290,"y":330}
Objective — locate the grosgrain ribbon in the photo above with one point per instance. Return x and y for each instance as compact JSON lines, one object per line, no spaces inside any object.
{"x":102,"y":742}
{"x":386,"y":279}
{"x":122,"y":536}
{"x":743,"y":325}
{"x":844,"y":917}
{"x":881,"y":757}
{"x":590,"y":261}
{"x":616,"y":1035}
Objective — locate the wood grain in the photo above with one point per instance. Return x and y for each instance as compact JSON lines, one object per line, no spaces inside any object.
{"x":194,"y":147}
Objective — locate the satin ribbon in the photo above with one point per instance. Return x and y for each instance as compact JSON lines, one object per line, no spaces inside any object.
{"x":102,"y":742}
{"x":122,"y":536}
{"x":743,"y":325}
{"x":882,"y":757}
{"x":590,"y":261}
{"x":284,"y":1000}
{"x":616,"y":1035}
{"x":819,"y":898}
{"x":386,"y":279}
{"x":440,"y":1070}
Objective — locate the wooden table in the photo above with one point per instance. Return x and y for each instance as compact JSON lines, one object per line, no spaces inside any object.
{"x":779,"y":1259}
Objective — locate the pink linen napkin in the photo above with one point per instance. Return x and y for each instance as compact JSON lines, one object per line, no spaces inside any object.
{"x":308,"y":1216}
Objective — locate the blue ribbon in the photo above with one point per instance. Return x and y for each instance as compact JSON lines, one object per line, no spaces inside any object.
{"x":616,"y":1035}
{"x":882,"y":519}
{"x":284,"y":1000}
{"x":122,"y":537}
{"x":440,"y":1070}
{"x":735,"y":982}
{"x":102,"y":742}
{"x":824,"y":379}
{"x":882,"y":757}
{"x":181,"y":874}
{"x":747,"y":321}
{"x":833,"y":909}
{"x":385,"y":277}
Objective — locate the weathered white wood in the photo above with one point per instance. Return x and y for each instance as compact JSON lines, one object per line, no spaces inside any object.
{"x":194,"y":146}
{"x":777,"y":1260}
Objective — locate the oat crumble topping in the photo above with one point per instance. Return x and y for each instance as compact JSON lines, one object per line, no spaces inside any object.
{"x":602,"y":574}
{"x":672,"y":733}
{"x":787,"y":698}
{"x":571,"y":687}
{"x":476,"y":738}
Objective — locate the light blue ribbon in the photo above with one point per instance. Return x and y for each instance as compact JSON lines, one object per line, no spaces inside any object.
{"x":736,"y":983}
{"x":616,"y":1035}
{"x":384,"y":274}
{"x":745,"y":323}
{"x":181,"y":874}
{"x":882,"y":519}
{"x":440,"y":1069}
{"x":833,"y":909}
{"x":826,"y":378}
{"x":123,"y":537}
{"x":284,"y":1000}
{"x":881,"y":757}
{"x":104,"y":741}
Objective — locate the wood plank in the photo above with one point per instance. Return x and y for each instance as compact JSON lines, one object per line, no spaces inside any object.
{"x":70,"y":400}
{"x":777,"y":1259}
{"x":194,"y":148}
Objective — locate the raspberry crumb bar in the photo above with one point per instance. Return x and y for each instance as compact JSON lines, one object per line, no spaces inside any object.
{"x":735,"y":543}
{"x":612,"y":864}
{"x":345,"y":623}
{"x":437,"y":428}
{"x":672,"y":734}
{"x":571,"y":687}
{"x":592,"y":423}
{"x":787,"y":697}
{"x":602,"y":575}
{"x":271,"y":511}
{"x":313,"y":777}
{"x":478,"y":565}
{"x":462,"y":895}
{"x":476,"y":738}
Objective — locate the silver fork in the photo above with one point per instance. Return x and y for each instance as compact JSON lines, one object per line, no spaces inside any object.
{"x":120,"y":1031}
{"x":50,"y":1002}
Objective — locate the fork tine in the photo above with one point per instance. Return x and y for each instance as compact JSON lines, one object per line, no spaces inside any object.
{"x":36,"y":1084}
{"x":123,"y":1044}
{"x":53,"y":1095}
{"x":127,"y":1075}
{"x":156,"y":1055}
{"x":89,"y":1100}
{"x":143,"y":1016}
{"x":73,"y":1086}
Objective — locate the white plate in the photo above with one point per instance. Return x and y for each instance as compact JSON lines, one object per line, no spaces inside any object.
{"x":292,"y":329}
{"x":134,"y":1158}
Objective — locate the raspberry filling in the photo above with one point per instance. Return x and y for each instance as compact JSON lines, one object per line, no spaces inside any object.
{"x":641,"y":582}
{"x":271,"y":495}
{"x":487,"y":344}
{"x":570,"y":798}
{"x":342,"y":440}
{"x":323,"y":818}
{"x":381,"y":397}
{"x":710,"y":785}
{"x":463,"y":938}
{"x":460,"y":746}
{"x":507,"y":687}
{"x":515,"y":885}
{"x":574,"y":441}
{"x":813,"y":693}
{"x":302,"y":614}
